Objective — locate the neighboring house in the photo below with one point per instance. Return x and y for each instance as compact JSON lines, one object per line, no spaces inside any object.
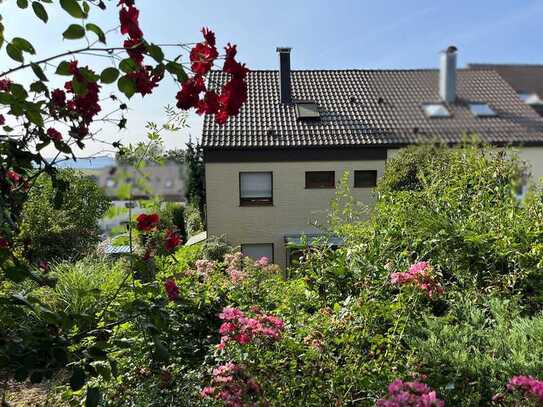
{"x":272,"y":171}
{"x":527,"y":80}
{"x":164,"y":181}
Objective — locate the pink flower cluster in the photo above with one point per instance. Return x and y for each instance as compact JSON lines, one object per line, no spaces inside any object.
{"x":233,"y":267}
{"x":262,"y":262}
{"x":410,"y":394}
{"x":239,"y":328}
{"x":419,"y":274}
{"x":531,"y":386}
{"x":231,"y":385}
{"x":204,"y":267}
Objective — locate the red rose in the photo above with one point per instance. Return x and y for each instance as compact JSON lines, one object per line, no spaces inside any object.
{"x":143,"y":80}
{"x":202,"y":57}
{"x":4,"y":244}
{"x":135,"y":49}
{"x":188,"y":96}
{"x":172,"y":291}
{"x":147,"y":222}
{"x":13,"y":176}
{"x":54,"y":134}
{"x":209,"y":36}
{"x":4,"y":85}
{"x":129,"y":22}
{"x":172,"y":240}
{"x":209,"y":105}
{"x":58,"y":97}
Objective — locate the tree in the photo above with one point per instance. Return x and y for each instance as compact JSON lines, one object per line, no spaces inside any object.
{"x":58,"y":227}
{"x":195,"y":170}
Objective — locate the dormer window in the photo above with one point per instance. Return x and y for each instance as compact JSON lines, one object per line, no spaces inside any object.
{"x":307,"y":111}
{"x":481,"y":110}
{"x":435,"y":110}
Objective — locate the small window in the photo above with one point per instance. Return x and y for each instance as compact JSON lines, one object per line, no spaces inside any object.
{"x":481,"y":110}
{"x":307,"y":110}
{"x":111,"y":183}
{"x":365,"y":178}
{"x":435,"y":110}
{"x":320,"y":179}
{"x":258,"y":250}
{"x":255,"y":188}
{"x":524,"y":96}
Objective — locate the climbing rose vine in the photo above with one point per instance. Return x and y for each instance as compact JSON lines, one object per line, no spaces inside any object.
{"x":410,"y":394}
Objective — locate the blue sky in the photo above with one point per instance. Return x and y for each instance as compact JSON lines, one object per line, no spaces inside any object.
{"x":323,"y":34}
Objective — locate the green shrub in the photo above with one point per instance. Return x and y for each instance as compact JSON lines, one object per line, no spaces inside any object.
{"x":69,"y":230}
{"x":472,"y":352}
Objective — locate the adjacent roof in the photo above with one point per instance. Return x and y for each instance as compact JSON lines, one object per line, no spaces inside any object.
{"x":524,"y":79}
{"x":373,"y":108}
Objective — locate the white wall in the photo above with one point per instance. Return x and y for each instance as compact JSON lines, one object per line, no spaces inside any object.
{"x":294,"y":207}
{"x":534,"y":157}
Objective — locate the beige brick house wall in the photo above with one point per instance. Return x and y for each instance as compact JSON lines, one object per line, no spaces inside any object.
{"x":294,"y":208}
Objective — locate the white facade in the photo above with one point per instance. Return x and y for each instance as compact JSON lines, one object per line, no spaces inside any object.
{"x":295,"y":209}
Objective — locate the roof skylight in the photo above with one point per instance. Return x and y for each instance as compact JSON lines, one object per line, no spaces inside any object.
{"x":530,"y":98}
{"x":481,"y":110}
{"x":307,"y":110}
{"x":435,"y":110}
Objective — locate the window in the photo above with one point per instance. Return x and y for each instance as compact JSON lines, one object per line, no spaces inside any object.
{"x":365,"y":178}
{"x":320,"y":179}
{"x":111,"y":183}
{"x":481,"y":110}
{"x":258,"y":250}
{"x":435,"y":110}
{"x":255,"y":188}
{"x":307,"y":110}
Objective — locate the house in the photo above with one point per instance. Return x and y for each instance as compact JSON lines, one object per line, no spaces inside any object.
{"x":526,"y":80}
{"x":272,"y":171}
{"x":164,"y":181}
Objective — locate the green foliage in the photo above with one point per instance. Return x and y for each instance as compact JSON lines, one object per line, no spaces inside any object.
{"x":477,"y":347}
{"x":66,"y":228}
{"x":193,"y":220}
{"x":84,"y":286}
{"x":195,"y":172}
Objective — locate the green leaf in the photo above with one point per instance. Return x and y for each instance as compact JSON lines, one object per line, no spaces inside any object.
{"x":77,"y":381}
{"x":14,"y":53}
{"x":97,"y":30}
{"x":74,"y":32}
{"x":155,"y":52}
{"x":177,"y":70}
{"x":1,"y":35}
{"x":6,"y":98}
{"x":18,"y":91}
{"x":16,"y":272}
{"x":89,"y":75}
{"x":73,"y":8}
{"x":34,"y":117}
{"x":40,"y":12}
{"x":38,"y":87}
{"x":23,"y":45}
{"x":62,"y":69}
{"x":127,"y":86}
{"x":109,"y":75}
{"x":93,"y":397}
{"x":161,"y":353}
{"x":38,"y":72}
{"x":22,"y":3}
{"x":128,"y":65}
{"x":79,"y":88}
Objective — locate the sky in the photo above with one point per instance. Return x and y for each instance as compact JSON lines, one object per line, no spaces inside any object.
{"x":340,"y":34}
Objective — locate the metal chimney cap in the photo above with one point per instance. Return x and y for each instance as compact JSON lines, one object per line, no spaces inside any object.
{"x":283,"y":49}
{"x":451,"y":49}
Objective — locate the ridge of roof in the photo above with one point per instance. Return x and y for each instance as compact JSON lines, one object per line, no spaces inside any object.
{"x":466,"y":69}
{"x":512,"y":65}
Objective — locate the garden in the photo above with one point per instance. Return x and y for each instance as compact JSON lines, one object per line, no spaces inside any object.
{"x":435,"y":297}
